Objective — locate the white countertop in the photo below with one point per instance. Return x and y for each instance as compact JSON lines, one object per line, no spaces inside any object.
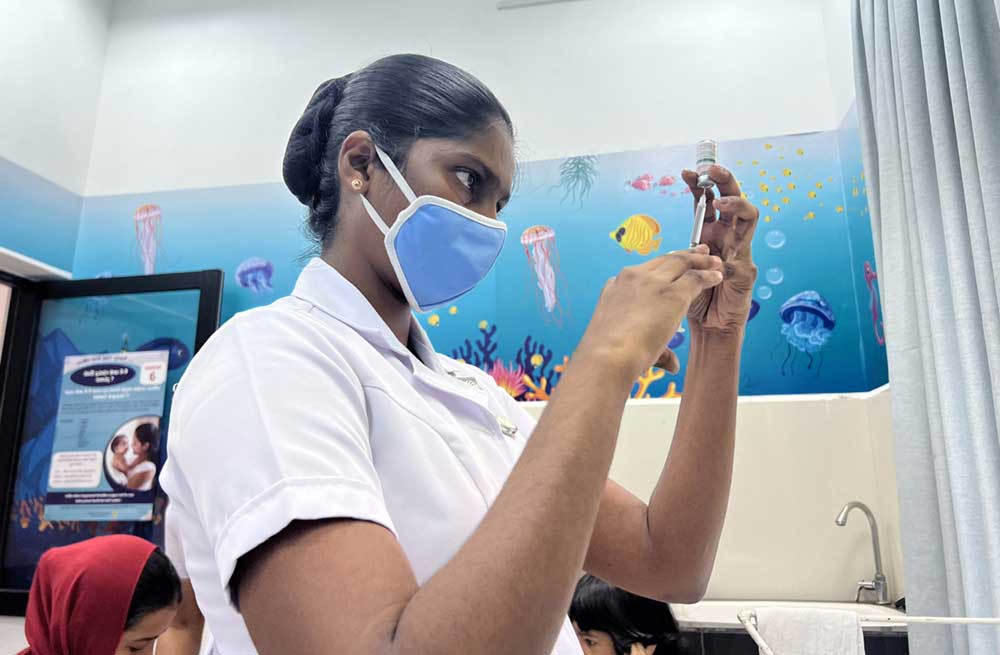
{"x":722,"y":614}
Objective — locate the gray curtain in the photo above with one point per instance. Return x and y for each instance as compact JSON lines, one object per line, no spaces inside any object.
{"x":928,"y":92}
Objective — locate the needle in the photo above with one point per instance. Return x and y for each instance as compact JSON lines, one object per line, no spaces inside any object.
{"x":699,"y":220}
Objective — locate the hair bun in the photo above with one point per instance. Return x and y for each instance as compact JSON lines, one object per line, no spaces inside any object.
{"x":302,"y":168}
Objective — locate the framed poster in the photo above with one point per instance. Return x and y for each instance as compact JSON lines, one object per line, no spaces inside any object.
{"x":106,"y":451}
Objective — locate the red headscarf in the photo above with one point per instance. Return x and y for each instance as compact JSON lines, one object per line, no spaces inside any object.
{"x":80,"y":596}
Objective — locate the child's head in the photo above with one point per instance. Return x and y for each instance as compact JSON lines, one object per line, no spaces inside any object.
{"x":119,"y":444}
{"x":612,"y":621}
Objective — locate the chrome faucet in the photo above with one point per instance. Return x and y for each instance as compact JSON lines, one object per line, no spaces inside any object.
{"x":879,"y":585}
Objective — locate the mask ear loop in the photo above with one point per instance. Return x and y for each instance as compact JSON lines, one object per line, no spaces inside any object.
{"x":400,"y":181}
{"x":396,"y":175}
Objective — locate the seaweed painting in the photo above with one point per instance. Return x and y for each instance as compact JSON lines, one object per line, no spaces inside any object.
{"x":576,"y":177}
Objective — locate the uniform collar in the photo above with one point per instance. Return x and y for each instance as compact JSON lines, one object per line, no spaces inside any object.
{"x":324,"y":287}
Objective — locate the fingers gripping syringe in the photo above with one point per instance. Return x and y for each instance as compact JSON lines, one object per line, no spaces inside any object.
{"x":707,"y":156}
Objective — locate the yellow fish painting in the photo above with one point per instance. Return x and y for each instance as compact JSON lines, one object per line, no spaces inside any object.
{"x":433,"y":320}
{"x":791,"y":186}
{"x":638,"y":234}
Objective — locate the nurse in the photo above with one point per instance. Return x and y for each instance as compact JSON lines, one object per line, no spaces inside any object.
{"x":340,"y":488}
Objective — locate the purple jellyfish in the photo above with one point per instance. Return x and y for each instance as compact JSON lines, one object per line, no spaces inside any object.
{"x":808,"y":321}
{"x":255,"y":274}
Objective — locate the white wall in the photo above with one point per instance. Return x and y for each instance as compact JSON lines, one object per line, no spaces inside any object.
{"x":799,"y":459}
{"x":51,"y":63}
{"x":202,"y":94}
{"x":839,"y":57}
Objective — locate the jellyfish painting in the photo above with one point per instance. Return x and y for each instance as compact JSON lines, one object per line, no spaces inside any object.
{"x":147,"y":235}
{"x":807,"y":321}
{"x":93,"y":306}
{"x":576,"y":177}
{"x":871,"y":281}
{"x":255,"y":274}
{"x":539,"y":243}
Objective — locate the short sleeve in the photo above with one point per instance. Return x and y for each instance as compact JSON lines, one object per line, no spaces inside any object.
{"x":172,"y":545}
{"x":271,"y":427}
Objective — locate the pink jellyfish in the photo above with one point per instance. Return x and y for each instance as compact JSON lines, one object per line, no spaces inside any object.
{"x":147,"y":235}
{"x":539,"y":243}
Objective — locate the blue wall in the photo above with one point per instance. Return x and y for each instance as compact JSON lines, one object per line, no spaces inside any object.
{"x":814,"y":236}
{"x":38,"y":218}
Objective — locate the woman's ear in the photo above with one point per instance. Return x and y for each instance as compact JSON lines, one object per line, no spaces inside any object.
{"x":639,"y":649}
{"x":357,"y":159}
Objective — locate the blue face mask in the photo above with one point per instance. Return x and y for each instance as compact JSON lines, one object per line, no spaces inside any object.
{"x":439,"y":250}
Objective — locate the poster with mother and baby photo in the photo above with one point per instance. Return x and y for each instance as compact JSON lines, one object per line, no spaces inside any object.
{"x":107,"y":441}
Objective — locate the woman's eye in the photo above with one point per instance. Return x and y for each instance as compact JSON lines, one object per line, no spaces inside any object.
{"x":468,"y":179}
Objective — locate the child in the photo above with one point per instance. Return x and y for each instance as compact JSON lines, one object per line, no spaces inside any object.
{"x":119,"y":465}
{"x":612,"y":621}
{"x":105,"y":596}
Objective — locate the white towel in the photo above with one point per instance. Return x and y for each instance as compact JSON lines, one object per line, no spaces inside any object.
{"x":800,"y":631}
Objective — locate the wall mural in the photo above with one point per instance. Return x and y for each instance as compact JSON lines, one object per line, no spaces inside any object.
{"x":815,"y":325}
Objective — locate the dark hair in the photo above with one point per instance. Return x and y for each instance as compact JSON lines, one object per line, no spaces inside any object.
{"x":158,"y":587}
{"x":114,"y":442}
{"x":397,"y":100}
{"x":148,"y":435}
{"x":627,"y":618}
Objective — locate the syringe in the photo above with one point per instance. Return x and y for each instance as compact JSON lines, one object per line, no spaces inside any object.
{"x":699,"y":221}
{"x":707,"y":155}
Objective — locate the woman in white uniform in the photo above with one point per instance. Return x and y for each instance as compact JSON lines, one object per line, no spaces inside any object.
{"x":342,"y":489}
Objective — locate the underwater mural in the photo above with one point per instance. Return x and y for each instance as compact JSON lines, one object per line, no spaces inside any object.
{"x":573,"y":223}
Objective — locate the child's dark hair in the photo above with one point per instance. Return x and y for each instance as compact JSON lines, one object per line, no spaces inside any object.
{"x":149,"y":435}
{"x":397,"y":100}
{"x":627,"y":618}
{"x":158,"y":587}
{"x":118,"y":438}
